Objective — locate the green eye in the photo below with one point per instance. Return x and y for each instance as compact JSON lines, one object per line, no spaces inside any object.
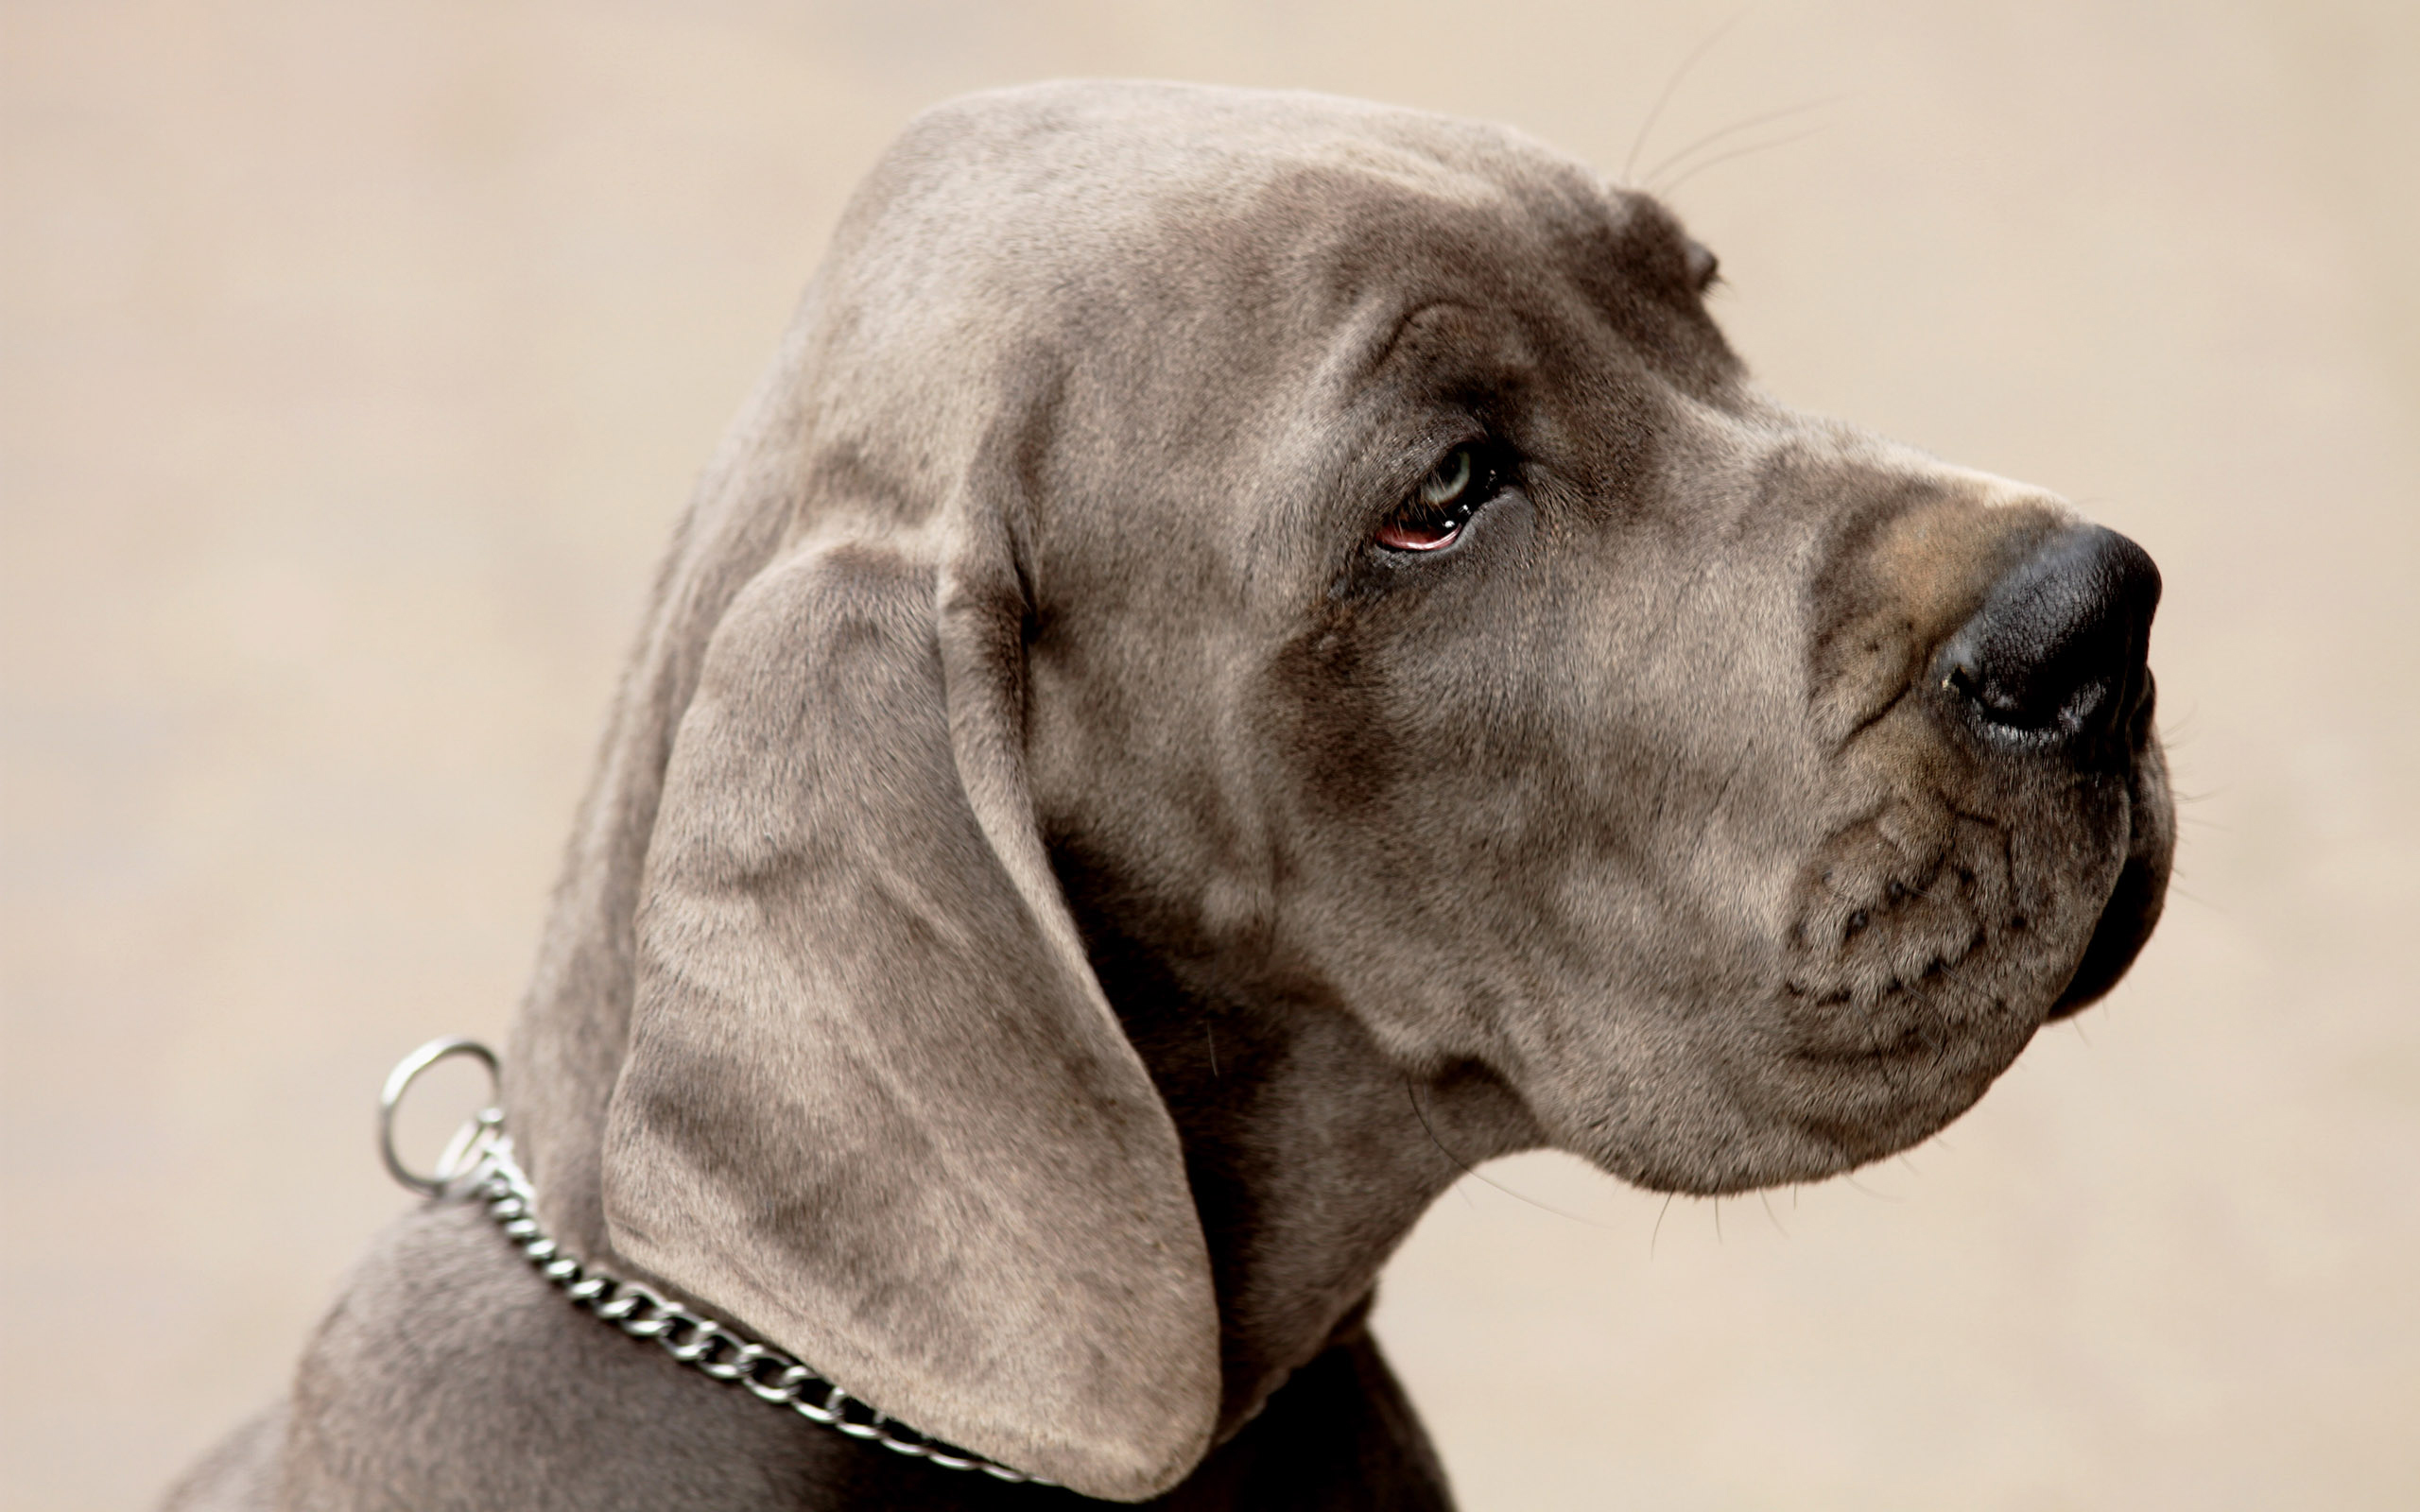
{"x":1452,"y":476}
{"x":1447,"y":499}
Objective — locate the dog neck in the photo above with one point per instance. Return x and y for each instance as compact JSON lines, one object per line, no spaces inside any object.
{"x":1311,"y":1153}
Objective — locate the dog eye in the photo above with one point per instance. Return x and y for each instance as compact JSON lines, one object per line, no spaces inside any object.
{"x":1447,"y":498}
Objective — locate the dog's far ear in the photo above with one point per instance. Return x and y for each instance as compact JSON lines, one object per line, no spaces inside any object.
{"x":875,"y":1105}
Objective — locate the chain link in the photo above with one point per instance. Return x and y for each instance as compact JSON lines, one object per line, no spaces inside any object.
{"x":491,"y":1176}
{"x":479,"y":1165}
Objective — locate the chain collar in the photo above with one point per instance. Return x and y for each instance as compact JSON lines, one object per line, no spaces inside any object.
{"x":478,"y":1165}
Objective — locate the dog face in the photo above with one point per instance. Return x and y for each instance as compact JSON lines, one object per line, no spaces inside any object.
{"x":1331,"y":551}
{"x":1497,"y":664}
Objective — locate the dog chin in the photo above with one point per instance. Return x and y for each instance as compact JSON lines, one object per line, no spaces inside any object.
{"x":1816,"y":1111}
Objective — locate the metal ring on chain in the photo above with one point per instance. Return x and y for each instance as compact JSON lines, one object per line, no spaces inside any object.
{"x":479,"y":1164}
{"x":457,"y":1158}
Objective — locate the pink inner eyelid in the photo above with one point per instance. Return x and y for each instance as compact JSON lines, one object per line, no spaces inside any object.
{"x":1399,"y":538}
{"x":1397,"y":535}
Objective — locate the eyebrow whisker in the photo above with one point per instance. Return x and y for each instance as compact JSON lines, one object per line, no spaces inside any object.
{"x":1708,"y":140}
{"x":1656,"y":111}
{"x":1665,"y":191}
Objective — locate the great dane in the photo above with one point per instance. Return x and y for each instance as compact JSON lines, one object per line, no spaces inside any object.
{"x":1252,"y":649}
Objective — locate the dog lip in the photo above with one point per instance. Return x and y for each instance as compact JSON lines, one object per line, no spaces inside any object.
{"x":2140,"y":893}
{"x":2125,"y":926}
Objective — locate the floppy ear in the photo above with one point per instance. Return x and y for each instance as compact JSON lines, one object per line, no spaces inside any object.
{"x":874,"y":1104}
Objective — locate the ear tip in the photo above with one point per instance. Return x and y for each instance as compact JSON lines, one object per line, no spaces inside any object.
{"x":1140,"y":1422}
{"x":1130,"y":1426}
{"x":1149,"y":1460}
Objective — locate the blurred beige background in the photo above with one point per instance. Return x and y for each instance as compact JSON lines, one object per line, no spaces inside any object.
{"x":357,"y":359}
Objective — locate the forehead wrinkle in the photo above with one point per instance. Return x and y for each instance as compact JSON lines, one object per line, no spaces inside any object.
{"x":1339,"y":248}
{"x":1298,"y":472}
{"x":1524,"y":261}
{"x":1370,"y":379}
{"x":1088,"y":215}
{"x":1434,"y":216}
{"x":1351,"y":286}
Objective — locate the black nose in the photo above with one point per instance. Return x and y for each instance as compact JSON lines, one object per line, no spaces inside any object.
{"x":2056,"y":654}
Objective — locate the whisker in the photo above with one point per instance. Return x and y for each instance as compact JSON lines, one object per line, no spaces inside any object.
{"x":1656,"y":111}
{"x":1850,"y":1177}
{"x":1469,"y":1170}
{"x":1666,"y":191}
{"x":1735,"y":129}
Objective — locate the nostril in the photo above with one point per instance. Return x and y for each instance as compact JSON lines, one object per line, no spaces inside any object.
{"x":2058,"y":647}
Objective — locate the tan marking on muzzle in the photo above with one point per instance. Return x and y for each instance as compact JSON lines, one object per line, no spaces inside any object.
{"x":1923,"y":574}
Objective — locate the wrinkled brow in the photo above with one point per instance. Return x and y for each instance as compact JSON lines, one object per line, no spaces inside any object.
{"x":1378,"y":351}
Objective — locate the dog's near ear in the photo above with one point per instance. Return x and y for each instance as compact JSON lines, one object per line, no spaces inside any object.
{"x":874,"y":1104}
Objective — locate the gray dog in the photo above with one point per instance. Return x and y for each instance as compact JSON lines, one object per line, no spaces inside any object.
{"x":1249,"y":641}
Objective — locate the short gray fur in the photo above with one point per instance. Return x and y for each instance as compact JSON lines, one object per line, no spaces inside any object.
{"x":1057,"y":898}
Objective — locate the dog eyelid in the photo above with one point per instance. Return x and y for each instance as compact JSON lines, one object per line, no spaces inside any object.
{"x":1449,"y":478}
{"x":1454,"y":490}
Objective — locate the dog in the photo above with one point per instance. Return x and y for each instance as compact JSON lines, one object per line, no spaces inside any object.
{"x":1251,"y":649}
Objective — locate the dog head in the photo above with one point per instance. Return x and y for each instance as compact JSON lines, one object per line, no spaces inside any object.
{"x":1340,"y":539}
